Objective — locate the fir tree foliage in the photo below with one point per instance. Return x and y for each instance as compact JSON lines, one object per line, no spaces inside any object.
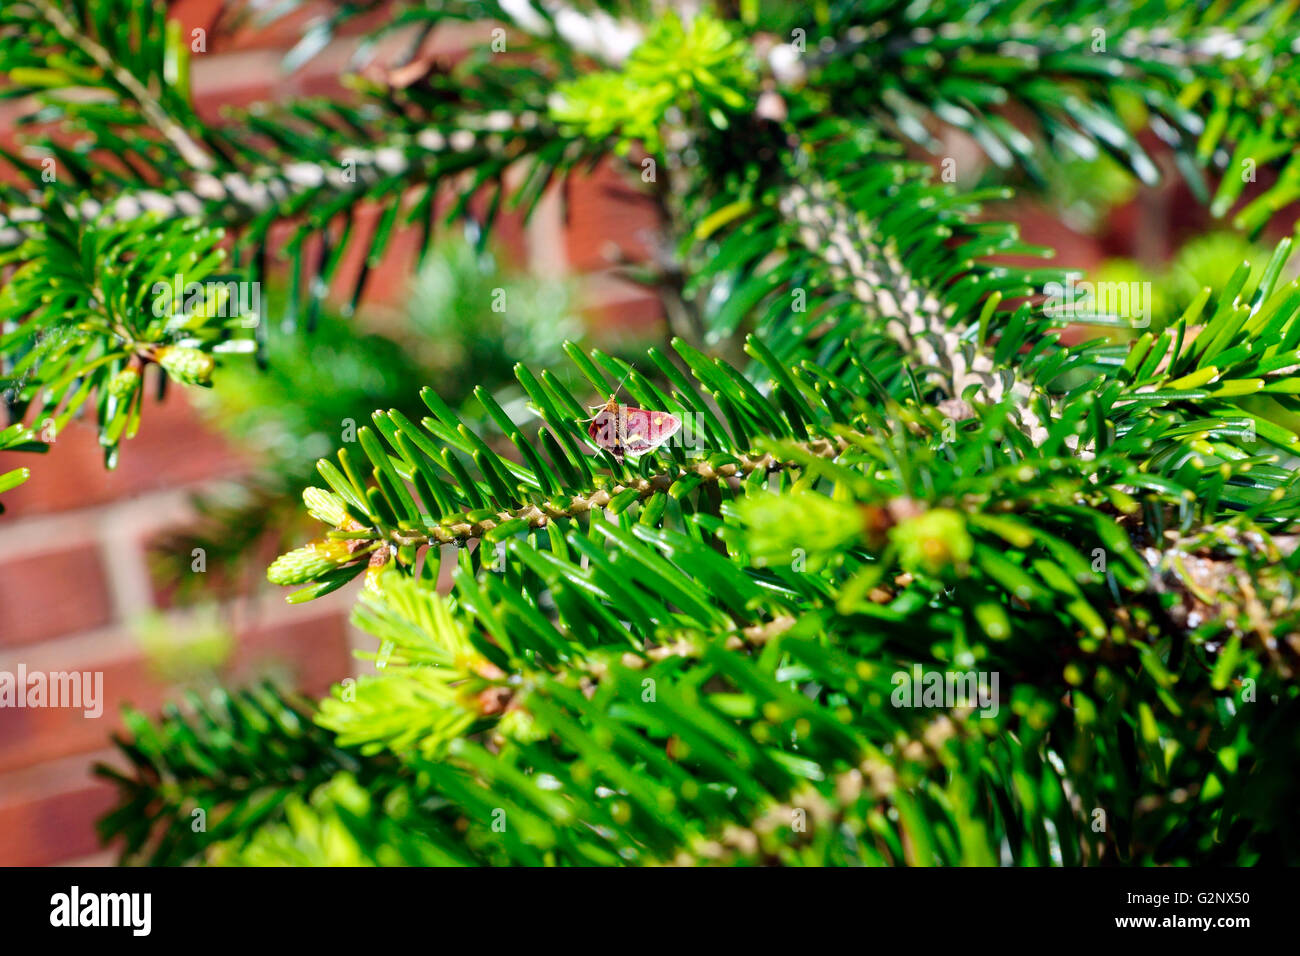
{"x":716,"y":651}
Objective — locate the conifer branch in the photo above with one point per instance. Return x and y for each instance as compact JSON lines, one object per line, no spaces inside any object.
{"x":194,"y":154}
{"x":911,"y":313}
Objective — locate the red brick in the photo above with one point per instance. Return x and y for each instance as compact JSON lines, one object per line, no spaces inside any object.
{"x":619,"y":310}
{"x":313,"y":648}
{"x":284,"y":32}
{"x":49,"y":800}
{"x":29,"y":736}
{"x":52,"y":593}
{"x":388,"y":284}
{"x":310,"y":653}
{"x":52,"y":827}
{"x":607,"y":218}
{"x":173,"y":447}
{"x":1075,"y":250}
{"x":48,"y":815}
{"x":194,"y":14}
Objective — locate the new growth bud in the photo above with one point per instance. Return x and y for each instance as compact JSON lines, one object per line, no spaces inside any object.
{"x":308,"y":563}
{"x":325,"y":506}
{"x":191,"y":366}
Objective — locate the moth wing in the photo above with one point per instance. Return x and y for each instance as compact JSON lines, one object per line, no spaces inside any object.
{"x":646,"y":430}
{"x":670,"y":427}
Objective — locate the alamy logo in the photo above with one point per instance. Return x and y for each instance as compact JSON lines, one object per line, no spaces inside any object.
{"x":977,"y":690}
{"x":1098,"y":300}
{"x":134,"y":910}
{"x":75,"y":689}
{"x":222,"y":296}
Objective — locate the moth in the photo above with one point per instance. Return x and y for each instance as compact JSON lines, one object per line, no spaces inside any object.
{"x":627,"y":430}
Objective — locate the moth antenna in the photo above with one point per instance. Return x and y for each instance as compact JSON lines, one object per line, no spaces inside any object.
{"x":631,"y":367}
{"x":613,"y":395}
